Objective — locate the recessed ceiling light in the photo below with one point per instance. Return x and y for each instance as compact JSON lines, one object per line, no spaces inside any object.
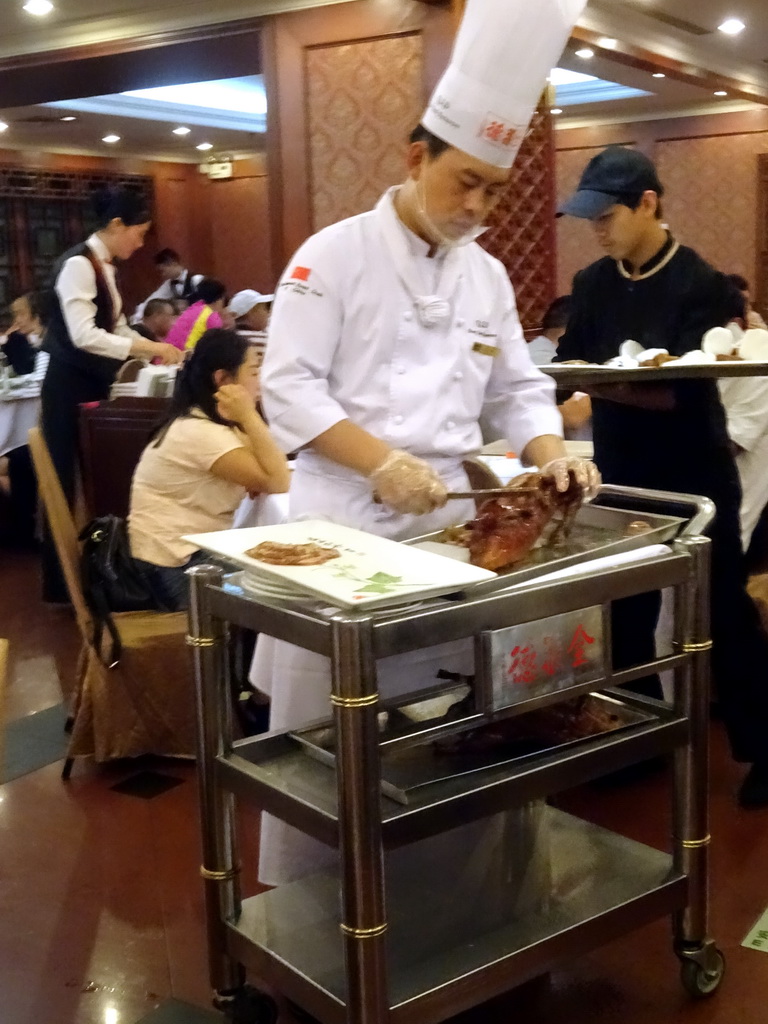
{"x":659,"y":74}
{"x":3,"y":126}
{"x":205,"y":145}
{"x":69,"y":117}
{"x":38,"y":7}
{"x":181,"y":131}
{"x":732,"y":26}
{"x":585,"y":53}
{"x":607,"y":43}
{"x":556,"y":110}
{"x":720,"y":92}
{"x":111,"y":138}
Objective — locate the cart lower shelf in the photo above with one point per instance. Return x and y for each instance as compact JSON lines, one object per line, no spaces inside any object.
{"x":610,"y":885}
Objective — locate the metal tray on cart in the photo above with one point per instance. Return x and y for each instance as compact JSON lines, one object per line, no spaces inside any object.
{"x":407,"y":769}
{"x":574,"y":375}
{"x":597,"y":532}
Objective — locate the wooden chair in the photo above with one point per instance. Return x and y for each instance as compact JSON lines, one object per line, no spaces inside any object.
{"x":146,"y":705}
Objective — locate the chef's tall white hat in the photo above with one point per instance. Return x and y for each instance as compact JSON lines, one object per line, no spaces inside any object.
{"x":502,"y":56}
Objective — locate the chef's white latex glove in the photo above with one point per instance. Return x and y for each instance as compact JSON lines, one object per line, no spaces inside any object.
{"x":586,"y":474}
{"x":408,"y":484}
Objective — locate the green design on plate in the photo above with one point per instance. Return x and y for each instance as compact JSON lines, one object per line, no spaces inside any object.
{"x":378,"y":583}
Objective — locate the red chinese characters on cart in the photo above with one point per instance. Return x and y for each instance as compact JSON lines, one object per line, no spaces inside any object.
{"x":531,"y":664}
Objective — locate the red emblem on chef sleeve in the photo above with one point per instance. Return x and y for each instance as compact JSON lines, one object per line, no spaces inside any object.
{"x":301,"y":273}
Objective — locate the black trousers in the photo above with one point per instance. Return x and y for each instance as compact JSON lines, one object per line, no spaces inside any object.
{"x":740,"y":645}
{"x":23,"y":504}
{"x":64,"y":389}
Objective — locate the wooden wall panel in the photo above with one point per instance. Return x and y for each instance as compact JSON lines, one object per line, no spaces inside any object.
{"x":363,"y":100}
{"x":522,"y":231}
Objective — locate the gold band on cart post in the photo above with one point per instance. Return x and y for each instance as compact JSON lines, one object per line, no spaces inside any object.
{"x":201,"y":641}
{"x":364,"y":933}
{"x":696,"y":844}
{"x":354,"y":702}
{"x":220,"y":876}
{"x":705,"y":645}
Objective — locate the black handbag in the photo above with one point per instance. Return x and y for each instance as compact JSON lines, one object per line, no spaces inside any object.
{"x":112,"y":582}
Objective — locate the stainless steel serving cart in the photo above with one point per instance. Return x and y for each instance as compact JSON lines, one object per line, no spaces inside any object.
{"x":324,"y":941}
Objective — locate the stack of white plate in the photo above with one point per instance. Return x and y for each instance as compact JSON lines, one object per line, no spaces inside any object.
{"x":123,"y":390}
{"x":271,"y":588}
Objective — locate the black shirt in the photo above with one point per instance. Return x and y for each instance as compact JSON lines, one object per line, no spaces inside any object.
{"x":144,"y":331}
{"x":681,"y":298}
{"x":19,"y":353}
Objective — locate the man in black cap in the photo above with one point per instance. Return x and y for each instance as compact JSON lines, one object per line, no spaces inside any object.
{"x":672,"y":437}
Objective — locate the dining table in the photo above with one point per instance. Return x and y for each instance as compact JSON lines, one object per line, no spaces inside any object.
{"x":20,"y":405}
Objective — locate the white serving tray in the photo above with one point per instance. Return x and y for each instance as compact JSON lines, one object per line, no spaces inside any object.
{"x":372,"y":572}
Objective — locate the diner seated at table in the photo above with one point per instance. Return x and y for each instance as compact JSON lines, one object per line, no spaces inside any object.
{"x":205,"y":312}
{"x":212,"y":450}
{"x":21,"y":343}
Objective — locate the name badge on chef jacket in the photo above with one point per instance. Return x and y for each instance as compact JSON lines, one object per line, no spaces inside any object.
{"x":485,"y":350}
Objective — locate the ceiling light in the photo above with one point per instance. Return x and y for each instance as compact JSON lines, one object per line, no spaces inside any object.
{"x":607,"y":43}
{"x":585,"y":53}
{"x":720,"y":92}
{"x":556,"y":110}
{"x":181,"y":131}
{"x":69,"y":117}
{"x":205,"y":146}
{"x":3,"y":126}
{"x":111,"y":138}
{"x":38,"y":7}
{"x":732,"y":26}
{"x":659,"y":74}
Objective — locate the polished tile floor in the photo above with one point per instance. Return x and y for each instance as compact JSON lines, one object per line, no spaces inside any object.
{"x":101,"y":918}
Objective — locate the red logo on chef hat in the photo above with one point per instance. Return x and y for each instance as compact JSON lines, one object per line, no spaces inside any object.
{"x":496,"y":129}
{"x":301,"y":274}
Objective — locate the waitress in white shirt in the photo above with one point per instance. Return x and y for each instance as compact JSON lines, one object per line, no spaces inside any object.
{"x":394,"y":335}
{"x":86,"y":333}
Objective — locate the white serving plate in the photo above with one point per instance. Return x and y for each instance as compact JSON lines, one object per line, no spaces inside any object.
{"x":371,"y":572}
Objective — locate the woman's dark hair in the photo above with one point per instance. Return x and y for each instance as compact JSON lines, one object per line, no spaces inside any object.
{"x":208,"y":290}
{"x":116,"y":201}
{"x":167,"y":256}
{"x":217,"y":349}
{"x":738,"y":282}
{"x":435,"y":146}
{"x":558,"y":314}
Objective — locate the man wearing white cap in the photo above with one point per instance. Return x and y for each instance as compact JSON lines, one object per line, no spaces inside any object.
{"x":394,"y":335}
{"x":251,"y":311}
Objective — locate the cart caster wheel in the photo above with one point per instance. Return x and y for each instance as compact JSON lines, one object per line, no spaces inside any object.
{"x":699,"y":981}
{"x":249,"y":1006}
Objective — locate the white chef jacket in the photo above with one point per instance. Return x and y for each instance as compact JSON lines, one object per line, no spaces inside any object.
{"x":746,"y":407}
{"x":345,"y":342}
{"x":76,"y":290}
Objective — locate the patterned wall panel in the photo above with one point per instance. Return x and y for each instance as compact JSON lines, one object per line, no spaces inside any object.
{"x":711,"y":201}
{"x":576,"y":245}
{"x":522,"y":232}
{"x":363,"y":99}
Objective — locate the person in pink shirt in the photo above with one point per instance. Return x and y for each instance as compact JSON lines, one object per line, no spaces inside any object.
{"x":208,"y":302}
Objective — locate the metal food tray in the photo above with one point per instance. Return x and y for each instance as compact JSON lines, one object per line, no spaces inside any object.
{"x":407,"y":768}
{"x":575,"y":375}
{"x":597,"y":531}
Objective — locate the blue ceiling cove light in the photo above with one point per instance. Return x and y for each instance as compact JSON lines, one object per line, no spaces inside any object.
{"x":237,"y":104}
{"x":574,"y":88}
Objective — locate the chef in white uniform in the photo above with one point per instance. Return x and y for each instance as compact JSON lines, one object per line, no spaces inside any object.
{"x":395,"y":346}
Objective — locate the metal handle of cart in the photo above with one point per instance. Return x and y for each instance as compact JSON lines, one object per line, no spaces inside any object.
{"x":699,"y":511}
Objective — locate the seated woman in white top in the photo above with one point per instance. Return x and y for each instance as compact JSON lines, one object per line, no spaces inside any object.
{"x":212,"y":450}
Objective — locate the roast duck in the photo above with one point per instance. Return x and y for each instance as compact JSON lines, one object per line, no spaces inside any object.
{"x":507,"y":527}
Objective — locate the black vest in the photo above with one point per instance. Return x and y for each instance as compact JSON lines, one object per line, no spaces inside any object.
{"x":183,"y":289}
{"x":57,"y":340}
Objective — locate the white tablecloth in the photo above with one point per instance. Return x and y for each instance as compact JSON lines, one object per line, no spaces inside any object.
{"x":20,"y":406}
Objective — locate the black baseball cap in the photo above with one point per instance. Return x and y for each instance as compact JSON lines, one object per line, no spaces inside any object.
{"x":612,"y":175}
